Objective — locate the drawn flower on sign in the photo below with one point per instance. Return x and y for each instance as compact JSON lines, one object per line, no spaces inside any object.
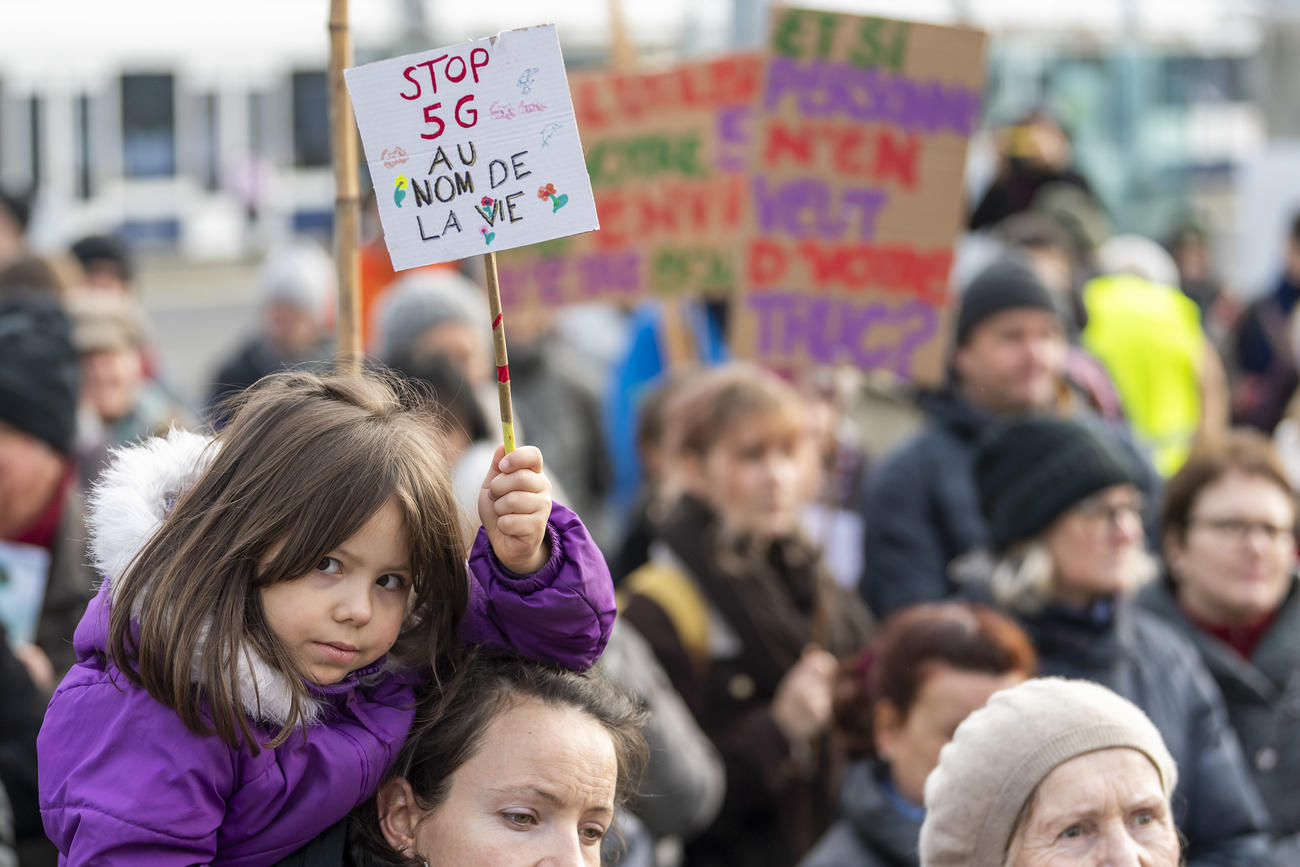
{"x":487,"y":201}
{"x":399,"y":190}
{"x":558,"y":200}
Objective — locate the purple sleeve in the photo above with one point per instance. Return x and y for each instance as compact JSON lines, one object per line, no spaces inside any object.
{"x":561,"y":614}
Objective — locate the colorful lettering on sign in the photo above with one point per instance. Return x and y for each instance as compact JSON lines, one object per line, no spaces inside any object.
{"x":821,"y":89}
{"x":853,"y":268}
{"x":871,"y":334}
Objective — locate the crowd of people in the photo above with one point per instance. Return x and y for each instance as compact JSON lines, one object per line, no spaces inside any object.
{"x":709,"y":615}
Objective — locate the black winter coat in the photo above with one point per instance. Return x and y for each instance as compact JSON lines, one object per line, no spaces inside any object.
{"x":1262,"y":695}
{"x":1129,"y":650}
{"x":871,"y":831}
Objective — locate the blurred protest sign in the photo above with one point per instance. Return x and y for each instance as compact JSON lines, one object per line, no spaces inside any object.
{"x":858,"y":153}
{"x":473,"y":148}
{"x":667,"y":159}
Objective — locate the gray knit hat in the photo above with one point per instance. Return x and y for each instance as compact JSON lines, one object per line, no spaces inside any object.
{"x":1000,"y":754}
{"x":422,"y":300}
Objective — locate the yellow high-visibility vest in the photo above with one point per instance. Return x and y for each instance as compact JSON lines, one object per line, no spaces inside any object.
{"x":1151,"y":340}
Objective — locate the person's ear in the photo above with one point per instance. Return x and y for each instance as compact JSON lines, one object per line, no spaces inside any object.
{"x":884,"y":727}
{"x":398,"y":814}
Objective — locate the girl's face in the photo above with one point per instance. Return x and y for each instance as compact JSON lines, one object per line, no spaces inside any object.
{"x":1096,"y":546}
{"x":540,"y":790}
{"x":347,"y":612}
{"x":759,"y":477}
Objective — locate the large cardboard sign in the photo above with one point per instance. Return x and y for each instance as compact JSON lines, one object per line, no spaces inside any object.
{"x":668,"y":160}
{"x":473,"y":148}
{"x":858,"y":153}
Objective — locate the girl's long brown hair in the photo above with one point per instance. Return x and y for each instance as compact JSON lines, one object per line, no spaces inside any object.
{"x":305,"y":462}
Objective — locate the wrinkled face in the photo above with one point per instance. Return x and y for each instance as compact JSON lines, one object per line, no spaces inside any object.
{"x":759,"y":477}
{"x":1102,"y":809}
{"x":110,"y":381}
{"x":1012,"y":361}
{"x":30,"y":471}
{"x":347,"y":612}
{"x":1096,"y":547}
{"x":540,"y":791}
{"x":947,"y":696}
{"x":1235,"y":563}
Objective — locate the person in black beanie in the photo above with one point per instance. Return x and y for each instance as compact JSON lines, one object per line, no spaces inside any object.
{"x":1066,"y":540}
{"x":921,"y":510}
{"x":106,"y":261}
{"x":42,"y":541}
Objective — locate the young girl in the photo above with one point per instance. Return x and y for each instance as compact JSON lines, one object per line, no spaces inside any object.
{"x":733,"y":600}
{"x":270,"y":600}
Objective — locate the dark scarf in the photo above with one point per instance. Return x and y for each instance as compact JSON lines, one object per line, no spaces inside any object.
{"x":765,"y":589}
{"x":1075,"y":641}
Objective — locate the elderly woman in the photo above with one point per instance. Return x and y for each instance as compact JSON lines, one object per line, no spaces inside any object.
{"x":1064,"y":516}
{"x":932,"y":665}
{"x":521,"y":763}
{"x":1229,"y":541}
{"x":1052,"y":772}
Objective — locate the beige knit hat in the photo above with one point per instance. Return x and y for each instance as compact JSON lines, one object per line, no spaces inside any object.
{"x":1003,"y":751}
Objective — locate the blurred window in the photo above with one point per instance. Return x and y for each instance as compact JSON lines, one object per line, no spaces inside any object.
{"x":206,"y":142}
{"x":311,"y":127}
{"x":148,"y":125}
{"x":35,"y":110}
{"x":85,"y":181}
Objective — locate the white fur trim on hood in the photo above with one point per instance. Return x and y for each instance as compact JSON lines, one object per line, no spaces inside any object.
{"x":127,"y":507}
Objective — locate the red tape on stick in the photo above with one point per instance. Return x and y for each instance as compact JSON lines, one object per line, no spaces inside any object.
{"x":497,"y":321}
{"x":503,"y":373}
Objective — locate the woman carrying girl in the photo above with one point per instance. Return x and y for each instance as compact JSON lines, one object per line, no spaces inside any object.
{"x":271,"y":599}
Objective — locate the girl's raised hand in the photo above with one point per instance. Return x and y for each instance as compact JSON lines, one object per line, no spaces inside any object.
{"x":514,"y":505}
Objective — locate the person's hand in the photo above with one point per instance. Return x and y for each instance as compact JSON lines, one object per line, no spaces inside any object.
{"x":514,"y":505}
{"x":38,"y":665}
{"x":802,"y":704}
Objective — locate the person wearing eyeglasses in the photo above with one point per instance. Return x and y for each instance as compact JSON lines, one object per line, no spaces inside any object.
{"x":1068,"y":554}
{"x":1228,"y":528}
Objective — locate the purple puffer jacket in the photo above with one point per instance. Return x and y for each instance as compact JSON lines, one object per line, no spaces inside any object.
{"x":122,"y":781}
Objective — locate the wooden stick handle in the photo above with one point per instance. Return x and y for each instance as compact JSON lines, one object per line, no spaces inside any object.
{"x":347,"y":195}
{"x":499,"y":348}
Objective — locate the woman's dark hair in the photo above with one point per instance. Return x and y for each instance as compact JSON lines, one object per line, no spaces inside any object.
{"x":303,"y":464}
{"x":914,"y":641}
{"x":451,"y":394}
{"x":1242,"y":451}
{"x":454,"y":718}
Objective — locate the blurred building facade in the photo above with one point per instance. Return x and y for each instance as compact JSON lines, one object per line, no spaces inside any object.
{"x":204,"y":131}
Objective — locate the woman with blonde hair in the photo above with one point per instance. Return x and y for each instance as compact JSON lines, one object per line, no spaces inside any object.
{"x":1068,"y":554}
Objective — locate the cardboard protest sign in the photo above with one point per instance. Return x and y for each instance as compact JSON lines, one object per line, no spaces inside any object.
{"x":858,"y":154}
{"x":473,"y":148}
{"x":667,"y":157}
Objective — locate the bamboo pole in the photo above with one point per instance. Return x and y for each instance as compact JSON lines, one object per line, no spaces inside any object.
{"x":347,"y":195}
{"x":499,"y":348}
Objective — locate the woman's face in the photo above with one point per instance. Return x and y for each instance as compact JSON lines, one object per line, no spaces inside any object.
{"x":1096,"y":547}
{"x":947,"y":696}
{"x":1235,"y":562}
{"x":539,"y":791}
{"x":759,"y":477}
{"x":1102,"y":809}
